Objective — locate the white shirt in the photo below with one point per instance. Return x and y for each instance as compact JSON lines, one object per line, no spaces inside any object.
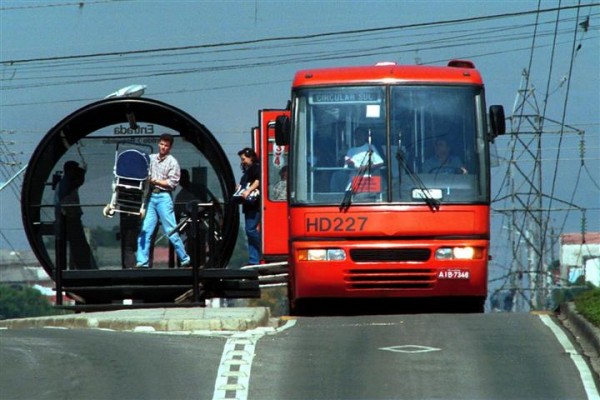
{"x":360,"y":157}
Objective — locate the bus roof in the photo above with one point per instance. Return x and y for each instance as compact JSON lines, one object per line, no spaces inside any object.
{"x":463,"y":73}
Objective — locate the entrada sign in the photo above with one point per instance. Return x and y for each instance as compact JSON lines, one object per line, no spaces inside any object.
{"x":123,"y":130}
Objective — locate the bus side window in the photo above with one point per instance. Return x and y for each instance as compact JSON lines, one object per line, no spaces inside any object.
{"x":278,"y":190}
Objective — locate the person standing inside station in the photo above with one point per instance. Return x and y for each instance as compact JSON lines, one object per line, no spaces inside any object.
{"x":68,"y":212}
{"x":164,"y":178}
{"x":248,"y":194}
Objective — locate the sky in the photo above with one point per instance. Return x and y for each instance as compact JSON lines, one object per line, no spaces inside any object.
{"x":222,"y":61}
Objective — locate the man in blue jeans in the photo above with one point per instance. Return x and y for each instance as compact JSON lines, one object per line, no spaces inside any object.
{"x":164,"y":178}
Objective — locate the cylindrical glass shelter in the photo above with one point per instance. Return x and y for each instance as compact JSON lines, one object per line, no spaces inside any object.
{"x":92,"y":137}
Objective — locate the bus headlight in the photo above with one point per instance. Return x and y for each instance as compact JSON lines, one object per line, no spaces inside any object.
{"x":464,"y":253}
{"x":321,"y":255}
{"x":336,"y":255}
{"x":459,"y":253}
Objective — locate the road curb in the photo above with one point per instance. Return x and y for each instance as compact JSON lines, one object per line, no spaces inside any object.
{"x":584,"y":328}
{"x":156,"y":319}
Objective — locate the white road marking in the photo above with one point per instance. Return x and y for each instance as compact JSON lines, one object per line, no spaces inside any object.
{"x":410,"y":348}
{"x":584,"y":371}
{"x":233,"y":376}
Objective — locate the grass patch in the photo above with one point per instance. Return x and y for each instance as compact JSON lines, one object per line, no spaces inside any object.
{"x":588,"y":305}
{"x":21,"y":301}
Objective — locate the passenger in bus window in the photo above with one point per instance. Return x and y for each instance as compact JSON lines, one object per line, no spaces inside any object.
{"x":248,"y":192}
{"x":340,"y":178}
{"x":279,"y":190}
{"x":443,"y":161}
{"x":323,"y":160}
{"x":364,"y":155}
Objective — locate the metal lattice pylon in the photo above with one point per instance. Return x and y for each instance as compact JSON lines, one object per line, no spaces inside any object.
{"x":530,"y":243}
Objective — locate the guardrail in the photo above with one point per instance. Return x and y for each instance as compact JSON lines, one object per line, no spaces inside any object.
{"x":271,"y":274}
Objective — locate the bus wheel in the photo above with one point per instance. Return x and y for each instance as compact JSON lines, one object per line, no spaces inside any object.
{"x":473,"y":305}
{"x":299,"y":307}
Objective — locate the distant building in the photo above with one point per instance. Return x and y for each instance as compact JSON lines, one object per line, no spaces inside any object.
{"x":580,"y":256}
{"x":21,"y":267}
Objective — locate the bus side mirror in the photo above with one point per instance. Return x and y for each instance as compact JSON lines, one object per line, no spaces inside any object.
{"x":282,"y":130}
{"x":497,"y":122}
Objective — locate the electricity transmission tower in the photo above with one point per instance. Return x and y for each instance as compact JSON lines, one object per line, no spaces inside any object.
{"x":529,"y":207}
{"x":10,"y":177}
{"x":10,"y":166}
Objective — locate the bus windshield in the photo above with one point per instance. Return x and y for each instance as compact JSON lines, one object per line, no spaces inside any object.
{"x":389,"y":144}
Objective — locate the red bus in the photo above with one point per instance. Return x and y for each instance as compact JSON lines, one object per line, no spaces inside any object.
{"x":389,"y":184}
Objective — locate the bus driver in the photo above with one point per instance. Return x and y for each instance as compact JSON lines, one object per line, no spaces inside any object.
{"x":443,"y":162}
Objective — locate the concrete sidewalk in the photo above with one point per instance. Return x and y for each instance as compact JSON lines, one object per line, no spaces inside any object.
{"x":184,"y":319}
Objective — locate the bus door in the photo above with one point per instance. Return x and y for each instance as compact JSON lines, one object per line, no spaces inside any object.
{"x":273,"y":187}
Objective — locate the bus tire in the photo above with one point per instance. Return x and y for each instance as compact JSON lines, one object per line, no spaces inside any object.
{"x":473,"y":305}
{"x":299,"y":307}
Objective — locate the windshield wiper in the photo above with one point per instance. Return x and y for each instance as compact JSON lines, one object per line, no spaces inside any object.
{"x":363,"y":170}
{"x":355,"y":183}
{"x":431,"y":202}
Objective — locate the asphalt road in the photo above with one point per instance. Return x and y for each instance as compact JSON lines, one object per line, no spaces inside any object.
{"x":491,"y":356}
{"x":94,"y":364}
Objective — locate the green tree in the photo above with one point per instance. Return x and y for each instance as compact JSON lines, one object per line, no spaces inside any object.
{"x":554,"y":266}
{"x":23,"y":301}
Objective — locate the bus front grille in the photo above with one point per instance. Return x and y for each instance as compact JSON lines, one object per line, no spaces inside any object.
{"x":390,"y":278}
{"x":389,"y":255}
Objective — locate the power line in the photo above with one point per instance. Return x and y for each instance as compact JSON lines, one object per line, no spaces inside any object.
{"x":212,"y":65}
{"x":295,"y":37}
{"x":531,"y":228}
{"x":79,"y":4}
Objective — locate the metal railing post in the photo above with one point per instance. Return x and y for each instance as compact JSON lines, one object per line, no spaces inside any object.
{"x":60,"y":255}
{"x":194,"y":226}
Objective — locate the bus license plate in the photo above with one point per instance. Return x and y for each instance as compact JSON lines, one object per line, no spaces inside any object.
{"x":454,"y":274}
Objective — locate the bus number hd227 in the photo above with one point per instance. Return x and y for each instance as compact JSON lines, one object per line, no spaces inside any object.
{"x":336,"y":224}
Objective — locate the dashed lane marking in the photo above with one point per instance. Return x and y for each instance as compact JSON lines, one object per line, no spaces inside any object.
{"x":233,"y":376}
